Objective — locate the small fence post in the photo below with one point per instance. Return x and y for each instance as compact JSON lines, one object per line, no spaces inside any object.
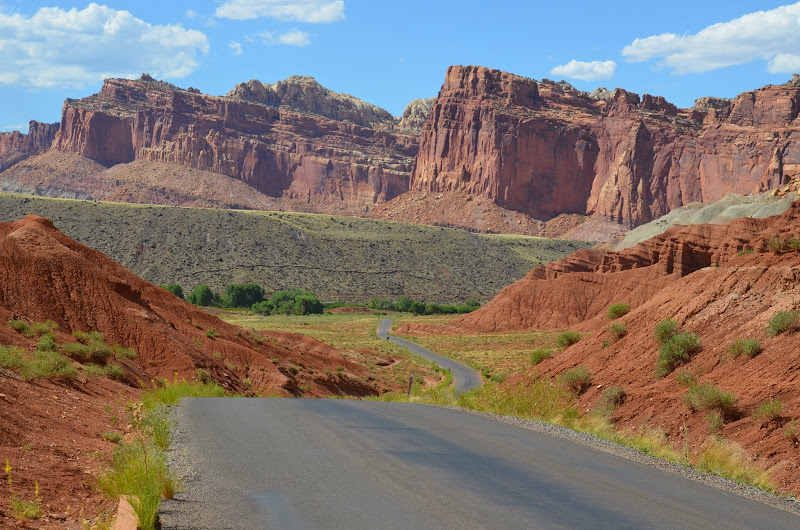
{"x":410,"y":380}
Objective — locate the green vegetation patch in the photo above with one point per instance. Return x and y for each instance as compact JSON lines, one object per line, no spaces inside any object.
{"x":617,"y":310}
{"x":781,"y":322}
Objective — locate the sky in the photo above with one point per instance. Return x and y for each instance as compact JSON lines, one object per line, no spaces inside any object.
{"x":388,"y":52}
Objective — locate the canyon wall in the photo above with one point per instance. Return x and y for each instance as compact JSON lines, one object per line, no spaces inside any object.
{"x":544,"y":148}
{"x":15,"y":146}
{"x":319,"y":147}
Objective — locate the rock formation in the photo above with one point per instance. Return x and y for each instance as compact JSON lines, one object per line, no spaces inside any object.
{"x":544,"y":148}
{"x":581,"y":286}
{"x":15,"y":146}
{"x":416,"y":113}
{"x":294,"y":140}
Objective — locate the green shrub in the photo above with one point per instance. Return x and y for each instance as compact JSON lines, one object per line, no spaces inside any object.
{"x":618,"y":329}
{"x":44,"y":327}
{"x":91,"y":347}
{"x":567,"y":338}
{"x":686,"y":378}
{"x":769,"y":410}
{"x":577,"y":379}
{"x":677,"y":350}
{"x":748,"y":348}
{"x":776,"y":244}
{"x":203,"y":296}
{"x":46,"y":343}
{"x":115,"y":372}
{"x":794,"y":244}
{"x":175,"y":289}
{"x":781,"y":322}
{"x":114,"y":437}
{"x":21,"y":327}
{"x":211,"y":333}
{"x":202,"y":375}
{"x":745,"y":251}
{"x":617,"y":310}
{"x":665,"y":329}
{"x":708,"y":397}
{"x":540,"y":354}
{"x":122,"y":352}
{"x":612,"y":397}
{"x":93,"y":370}
{"x":242,"y":295}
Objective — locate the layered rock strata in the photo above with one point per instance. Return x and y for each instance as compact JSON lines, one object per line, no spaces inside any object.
{"x":294,"y":140}
{"x":544,"y":148}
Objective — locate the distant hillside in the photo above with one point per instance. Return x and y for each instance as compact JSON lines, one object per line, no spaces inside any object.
{"x":336,"y":257}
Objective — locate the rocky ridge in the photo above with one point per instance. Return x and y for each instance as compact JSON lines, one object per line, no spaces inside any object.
{"x":15,"y":146}
{"x":293,"y":140}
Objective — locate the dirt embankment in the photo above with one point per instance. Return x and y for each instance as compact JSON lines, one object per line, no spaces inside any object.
{"x":721,"y":282}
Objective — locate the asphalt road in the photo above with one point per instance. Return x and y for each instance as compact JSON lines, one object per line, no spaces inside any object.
{"x":304,"y":463}
{"x":465,"y":377}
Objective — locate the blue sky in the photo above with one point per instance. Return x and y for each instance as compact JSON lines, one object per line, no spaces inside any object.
{"x":389,"y":52}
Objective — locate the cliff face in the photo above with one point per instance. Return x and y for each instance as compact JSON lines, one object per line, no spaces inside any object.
{"x":544,"y":148}
{"x":294,"y":140}
{"x":14,"y":146}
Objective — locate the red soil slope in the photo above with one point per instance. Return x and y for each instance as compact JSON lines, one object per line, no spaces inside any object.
{"x":696,"y":276}
{"x":47,"y":276}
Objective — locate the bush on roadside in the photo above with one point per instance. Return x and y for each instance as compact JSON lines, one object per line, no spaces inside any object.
{"x":708,"y":397}
{"x":577,"y":379}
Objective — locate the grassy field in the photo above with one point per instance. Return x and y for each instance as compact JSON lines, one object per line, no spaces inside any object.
{"x":352,"y":333}
{"x":494,"y":355}
{"x":338,"y":258}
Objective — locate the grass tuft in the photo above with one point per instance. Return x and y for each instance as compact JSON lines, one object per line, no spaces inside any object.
{"x":567,"y":338}
{"x":708,"y":397}
{"x":678,"y":349}
{"x":21,"y":327}
{"x":577,"y":379}
{"x":747,"y":348}
{"x":617,"y":310}
{"x":618,"y":329}
{"x":727,"y":459}
{"x":540,"y":354}
{"x":781,"y":322}
{"x":769,"y":411}
{"x":665,"y":329}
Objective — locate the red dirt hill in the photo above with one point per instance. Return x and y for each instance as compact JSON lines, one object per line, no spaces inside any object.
{"x":697,"y":276}
{"x":44,"y":275}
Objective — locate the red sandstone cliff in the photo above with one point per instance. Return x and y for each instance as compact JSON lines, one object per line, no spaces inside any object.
{"x":544,"y":148}
{"x":283,"y":149}
{"x":14,"y":146}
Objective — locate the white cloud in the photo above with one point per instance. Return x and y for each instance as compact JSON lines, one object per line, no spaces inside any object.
{"x":313,"y":11}
{"x":191,"y":13}
{"x":22,"y":127}
{"x":58,"y":48}
{"x":291,"y":38}
{"x":236,"y":48}
{"x":295,"y":38}
{"x":586,"y":71}
{"x":784,"y":63}
{"x":772,"y":36}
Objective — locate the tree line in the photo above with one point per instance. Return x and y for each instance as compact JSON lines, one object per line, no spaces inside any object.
{"x":302,"y":302}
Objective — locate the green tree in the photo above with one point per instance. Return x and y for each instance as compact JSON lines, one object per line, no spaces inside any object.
{"x":307,"y":304}
{"x":203,"y":296}
{"x":404,"y":303}
{"x":175,"y":289}
{"x":243,"y":295}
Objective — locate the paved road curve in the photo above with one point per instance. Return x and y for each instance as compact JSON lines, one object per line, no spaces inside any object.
{"x":465,"y":377}
{"x":304,"y":463}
